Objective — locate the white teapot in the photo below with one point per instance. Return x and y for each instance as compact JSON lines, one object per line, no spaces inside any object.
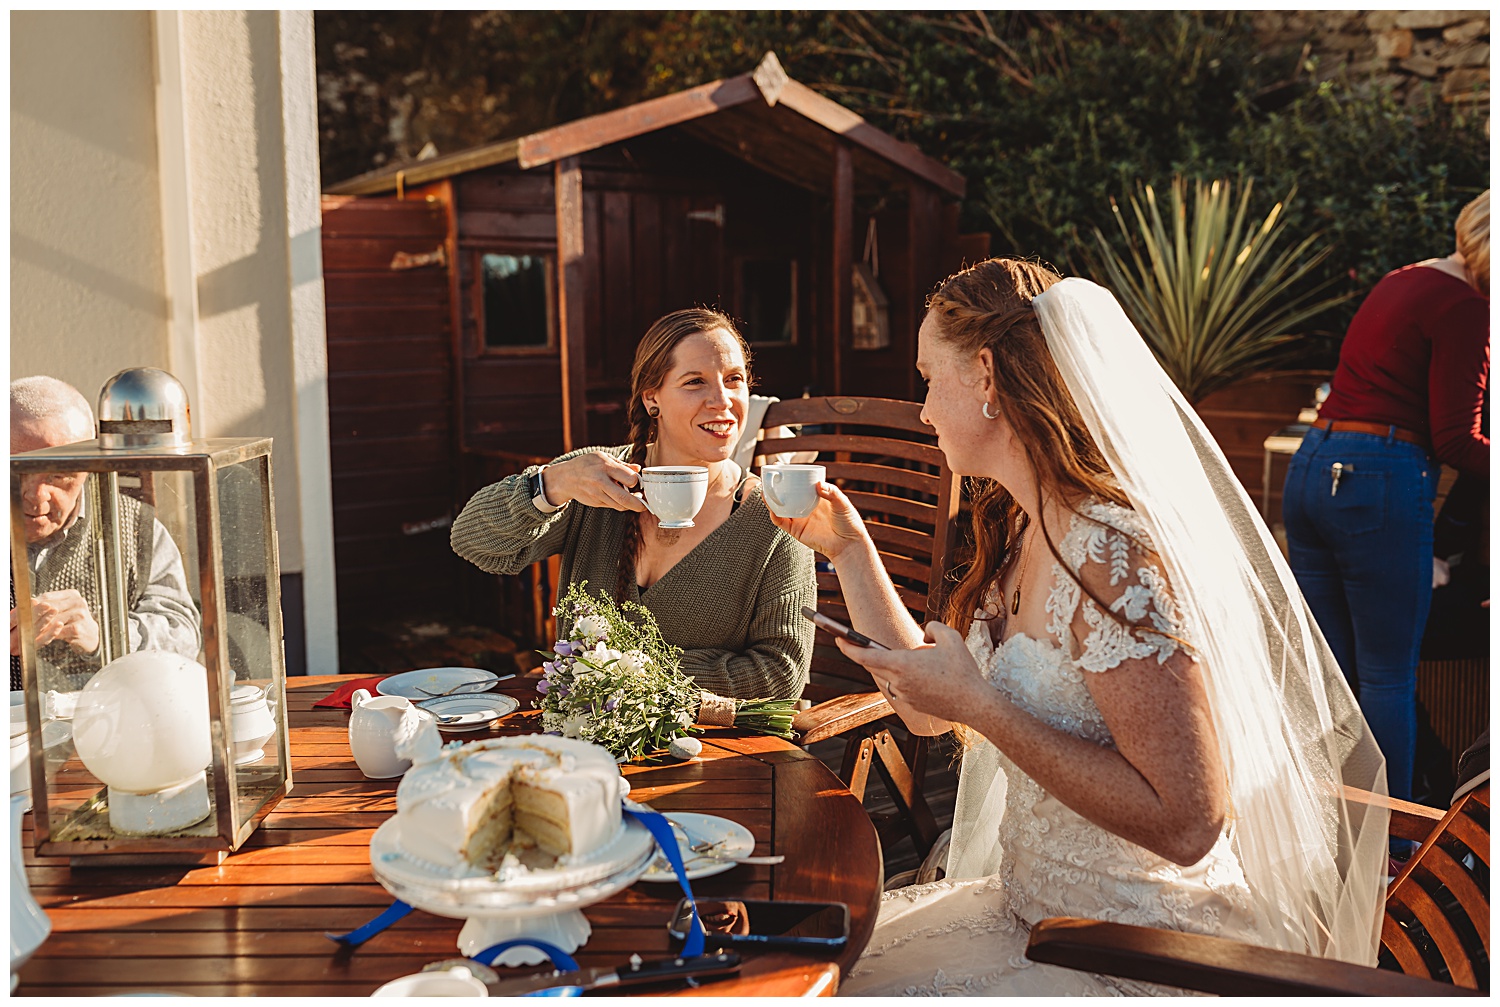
{"x":378,"y":725}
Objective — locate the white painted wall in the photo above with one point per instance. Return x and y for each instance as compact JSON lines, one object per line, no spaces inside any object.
{"x":87,"y":296}
{"x":164,"y":212}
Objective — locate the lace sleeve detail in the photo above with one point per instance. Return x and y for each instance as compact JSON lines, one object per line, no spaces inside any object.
{"x":1122,"y":570}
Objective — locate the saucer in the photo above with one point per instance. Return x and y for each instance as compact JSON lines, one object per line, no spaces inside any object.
{"x":738,"y":842}
{"x":473,"y":712}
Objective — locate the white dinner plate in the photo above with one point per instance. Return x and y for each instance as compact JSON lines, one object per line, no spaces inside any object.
{"x":738,"y":842}
{"x":474,"y":713}
{"x":410,"y":683}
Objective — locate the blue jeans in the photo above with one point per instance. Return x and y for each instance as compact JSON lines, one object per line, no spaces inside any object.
{"x":1363,"y":559}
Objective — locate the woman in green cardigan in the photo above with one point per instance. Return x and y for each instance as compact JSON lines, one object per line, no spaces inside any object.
{"x":729,"y":590}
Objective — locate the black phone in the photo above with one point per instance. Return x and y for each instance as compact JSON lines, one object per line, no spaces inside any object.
{"x":729,"y":922}
{"x":839,"y":629}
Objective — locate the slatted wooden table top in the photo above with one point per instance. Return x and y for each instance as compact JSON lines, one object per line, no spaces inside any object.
{"x":254,"y":925}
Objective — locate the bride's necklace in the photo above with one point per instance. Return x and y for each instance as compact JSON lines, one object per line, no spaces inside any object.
{"x":1015,"y":599}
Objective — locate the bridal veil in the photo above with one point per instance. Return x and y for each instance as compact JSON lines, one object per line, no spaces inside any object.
{"x":1291,"y":733}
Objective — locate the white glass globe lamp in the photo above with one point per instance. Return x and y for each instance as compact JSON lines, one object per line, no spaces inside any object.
{"x":142,"y":727}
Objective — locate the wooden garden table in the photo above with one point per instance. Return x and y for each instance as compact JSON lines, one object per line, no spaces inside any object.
{"x":254,"y":925}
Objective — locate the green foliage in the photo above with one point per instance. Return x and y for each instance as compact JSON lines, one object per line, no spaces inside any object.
{"x":1203,"y":286}
{"x":1047,"y":114}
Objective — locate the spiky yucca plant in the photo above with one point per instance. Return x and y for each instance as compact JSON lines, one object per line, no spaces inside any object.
{"x":1207,"y":290}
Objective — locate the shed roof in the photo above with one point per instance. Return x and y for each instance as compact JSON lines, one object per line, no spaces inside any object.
{"x":763,"y":118}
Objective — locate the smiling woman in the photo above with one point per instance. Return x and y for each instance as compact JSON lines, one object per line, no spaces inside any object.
{"x":729,"y":589}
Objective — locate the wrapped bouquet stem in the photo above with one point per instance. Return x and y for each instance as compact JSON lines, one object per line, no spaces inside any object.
{"x":614,"y":681}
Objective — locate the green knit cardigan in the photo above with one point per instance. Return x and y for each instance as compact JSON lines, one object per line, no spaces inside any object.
{"x":733,"y":604}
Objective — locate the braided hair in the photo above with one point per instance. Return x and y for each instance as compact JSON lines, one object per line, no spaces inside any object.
{"x":653,"y":362}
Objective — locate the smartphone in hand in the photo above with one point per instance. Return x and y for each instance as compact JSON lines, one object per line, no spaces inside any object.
{"x":839,"y":629}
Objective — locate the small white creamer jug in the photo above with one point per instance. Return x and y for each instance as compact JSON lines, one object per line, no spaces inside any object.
{"x":375,"y":726}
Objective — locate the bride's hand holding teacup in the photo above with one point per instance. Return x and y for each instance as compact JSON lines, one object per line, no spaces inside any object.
{"x":939,"y":678}
{"x":594,"y":479}
{"x":832,"y":527}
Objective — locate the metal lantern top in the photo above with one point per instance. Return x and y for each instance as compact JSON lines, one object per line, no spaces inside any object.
{"x":143,"y":407}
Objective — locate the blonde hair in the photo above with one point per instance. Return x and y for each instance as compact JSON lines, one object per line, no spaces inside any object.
{"x":1473,"y":232}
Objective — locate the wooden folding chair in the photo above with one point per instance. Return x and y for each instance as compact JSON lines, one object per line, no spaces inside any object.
{"x":887,"y":462}
{"x":1434,"y":938}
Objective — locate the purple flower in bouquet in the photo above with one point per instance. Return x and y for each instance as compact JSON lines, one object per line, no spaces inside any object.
{"x":542,"y":687}
{"x":563,"y":648}
{"x":611,"y":703}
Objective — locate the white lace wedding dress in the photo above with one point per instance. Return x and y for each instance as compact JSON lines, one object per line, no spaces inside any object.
{"x":1018,"y":854}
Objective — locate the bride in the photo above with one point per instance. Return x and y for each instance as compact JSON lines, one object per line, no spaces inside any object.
{"x":1154,"y":730}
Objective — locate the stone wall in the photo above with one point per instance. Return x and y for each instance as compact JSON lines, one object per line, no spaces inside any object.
{"x":1410,"y":51}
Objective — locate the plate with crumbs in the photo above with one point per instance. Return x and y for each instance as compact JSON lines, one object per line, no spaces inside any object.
{"x":436,"y":680}
{"x":729,"y":839}
{"x":470,"y":713}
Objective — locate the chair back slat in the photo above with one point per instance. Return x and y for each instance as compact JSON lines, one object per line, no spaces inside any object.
{"x":870,"y":473}
{"x":867,"y":444}
{"x":897,"y":414}
{"x":891,"y":538}
{"x":1395,"y":939}
{"x":1440,"y":867}
{"x":904,"y":567}
{"x":1440,"y":932}
{"x":925,"y":514}
{"x":1467,"y":831}
{"x":1437,"y":908}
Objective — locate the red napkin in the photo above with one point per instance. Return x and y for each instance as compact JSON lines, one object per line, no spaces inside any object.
{"x":340,"y":698}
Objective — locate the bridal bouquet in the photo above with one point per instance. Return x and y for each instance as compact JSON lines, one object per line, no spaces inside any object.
{"x":614,"y":681}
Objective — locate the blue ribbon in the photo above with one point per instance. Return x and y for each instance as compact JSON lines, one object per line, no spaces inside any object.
{"x":661,"y":829}
{"x":561,"y":960}
{"x":359,"y":935}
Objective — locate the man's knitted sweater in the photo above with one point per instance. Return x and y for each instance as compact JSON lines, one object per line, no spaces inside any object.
{"x":733,"y":604}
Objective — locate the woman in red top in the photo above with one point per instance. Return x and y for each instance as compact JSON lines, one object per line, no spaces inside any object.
{"x":1408,"y":395}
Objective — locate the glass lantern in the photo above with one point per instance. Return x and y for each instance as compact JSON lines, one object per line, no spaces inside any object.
{"x":167,"y":741}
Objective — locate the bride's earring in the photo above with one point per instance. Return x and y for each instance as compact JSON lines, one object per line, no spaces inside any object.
{"x":984,"y":407}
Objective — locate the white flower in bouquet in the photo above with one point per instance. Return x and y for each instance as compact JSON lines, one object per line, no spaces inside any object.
{"x":634,"y":662}
{"x":591,"y":628}
{"x":618,"y":684}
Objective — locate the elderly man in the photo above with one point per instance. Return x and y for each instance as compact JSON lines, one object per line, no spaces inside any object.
{"x":44,"y":413}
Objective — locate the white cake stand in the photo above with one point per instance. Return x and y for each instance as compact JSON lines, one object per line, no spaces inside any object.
{"x":536,"y":905}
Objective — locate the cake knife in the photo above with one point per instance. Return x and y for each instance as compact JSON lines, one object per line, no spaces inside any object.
{"x":633,"y":971}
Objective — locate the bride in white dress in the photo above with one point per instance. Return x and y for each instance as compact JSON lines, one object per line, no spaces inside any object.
{"x":1154,"y":729}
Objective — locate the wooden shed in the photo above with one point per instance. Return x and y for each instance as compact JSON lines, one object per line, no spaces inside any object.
{"x":484,"y":306}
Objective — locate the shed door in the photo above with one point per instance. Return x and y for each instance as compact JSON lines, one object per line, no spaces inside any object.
{"x":386,"y":281}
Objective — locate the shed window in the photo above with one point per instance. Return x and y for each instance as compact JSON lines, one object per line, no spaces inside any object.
{"x":768,"y":300}
{"x":518,"y":310}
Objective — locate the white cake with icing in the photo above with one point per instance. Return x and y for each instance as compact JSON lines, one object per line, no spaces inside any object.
{"x":472,"y":805}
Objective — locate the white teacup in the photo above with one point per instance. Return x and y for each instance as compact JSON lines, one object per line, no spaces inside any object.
{"x":791,"y":490}
{"x":455,"y":982}
{"x":674,"y":493}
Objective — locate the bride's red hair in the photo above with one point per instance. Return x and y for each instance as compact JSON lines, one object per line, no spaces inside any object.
{"x":988,"y":306}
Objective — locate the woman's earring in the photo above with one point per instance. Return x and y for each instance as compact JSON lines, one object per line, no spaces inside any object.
{"x":984,"y":407}
{"x":653,"y":412}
